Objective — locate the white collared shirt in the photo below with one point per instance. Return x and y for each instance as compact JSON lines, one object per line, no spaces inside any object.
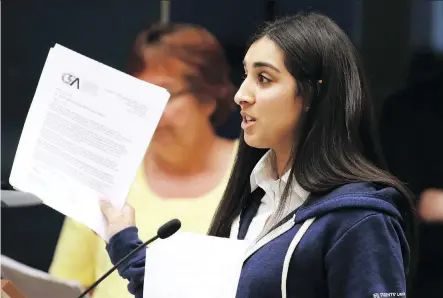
{"x":262,"y":176}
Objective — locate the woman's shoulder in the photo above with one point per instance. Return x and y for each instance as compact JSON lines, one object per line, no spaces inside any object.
{"x":359,"y":198}
{"x":345,"y":220}
{"x":354,"y":207}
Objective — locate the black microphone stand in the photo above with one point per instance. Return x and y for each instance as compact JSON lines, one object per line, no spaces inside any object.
{"x":165,"y":231}
{"x":95,"y":284}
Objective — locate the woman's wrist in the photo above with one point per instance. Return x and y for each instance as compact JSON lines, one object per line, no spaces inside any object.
{"x":122,"y":243}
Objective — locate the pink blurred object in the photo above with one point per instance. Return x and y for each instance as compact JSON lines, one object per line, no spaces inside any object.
{"x":431,"y":205}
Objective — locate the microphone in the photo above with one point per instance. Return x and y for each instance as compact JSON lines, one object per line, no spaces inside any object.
{"x":169,"y":229}
{"x":165,"y":231}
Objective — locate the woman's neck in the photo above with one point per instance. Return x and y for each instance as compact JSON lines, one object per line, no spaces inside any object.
{"x":186,"y":160}
{"x":281,"y":160}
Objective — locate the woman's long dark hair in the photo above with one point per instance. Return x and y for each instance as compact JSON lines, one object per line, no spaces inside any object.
{"x":337,"y":144}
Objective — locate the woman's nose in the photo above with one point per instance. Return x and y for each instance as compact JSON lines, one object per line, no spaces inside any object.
{"x":243,"y":96}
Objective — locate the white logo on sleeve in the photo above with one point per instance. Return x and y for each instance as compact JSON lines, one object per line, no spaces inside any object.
{"x":383,"y":295}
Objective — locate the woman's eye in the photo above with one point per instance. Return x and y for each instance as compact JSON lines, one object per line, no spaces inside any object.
{"x":262,"y":79}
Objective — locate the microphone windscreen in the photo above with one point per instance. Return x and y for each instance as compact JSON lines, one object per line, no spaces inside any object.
{"x":169,"y":228}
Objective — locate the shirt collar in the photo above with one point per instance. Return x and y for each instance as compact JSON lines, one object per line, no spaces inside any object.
{"x":263,"y":173}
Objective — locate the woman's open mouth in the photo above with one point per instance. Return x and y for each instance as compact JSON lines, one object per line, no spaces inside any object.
{"x":247,"y":121}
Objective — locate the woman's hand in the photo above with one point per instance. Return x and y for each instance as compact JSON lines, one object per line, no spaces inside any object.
{"x":431,"y":205}
{"x":118,"y":220}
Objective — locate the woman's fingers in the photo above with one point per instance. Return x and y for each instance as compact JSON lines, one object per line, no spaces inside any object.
{"x":118,"y":220}
{"x":129,"y":213}
{"x":109,"y":211}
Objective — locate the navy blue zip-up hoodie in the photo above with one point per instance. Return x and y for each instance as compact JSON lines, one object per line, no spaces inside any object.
{"x":355,"y":247}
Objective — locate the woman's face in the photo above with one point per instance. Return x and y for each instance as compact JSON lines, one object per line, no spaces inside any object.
{"x":184,"y":114}
{"x":269,"y":106}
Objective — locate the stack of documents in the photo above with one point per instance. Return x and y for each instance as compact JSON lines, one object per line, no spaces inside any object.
{"x":85,"y":135}
{"x":34,"y":283}
{"x":188,"y":265}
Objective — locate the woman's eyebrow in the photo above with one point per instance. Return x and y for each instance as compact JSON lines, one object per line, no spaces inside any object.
{"x":263,"y":64}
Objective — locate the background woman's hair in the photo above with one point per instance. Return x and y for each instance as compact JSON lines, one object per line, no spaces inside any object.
{"x":337,"y":144}
{"x":207,"y":67}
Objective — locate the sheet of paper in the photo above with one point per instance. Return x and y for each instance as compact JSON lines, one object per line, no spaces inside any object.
{"x":85,"y":135}
{"x":34,"y":283}
{"x":188,"y":265}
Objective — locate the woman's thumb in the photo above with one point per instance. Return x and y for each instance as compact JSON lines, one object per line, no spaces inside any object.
{"x":128,"y":210}
{"x":107,"y":209}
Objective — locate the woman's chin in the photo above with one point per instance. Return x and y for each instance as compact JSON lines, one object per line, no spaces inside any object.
{"x":163,"y":144}
{"x":254,"y":142}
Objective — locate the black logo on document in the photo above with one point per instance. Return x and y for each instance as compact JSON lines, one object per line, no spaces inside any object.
{"x":71,"y":80}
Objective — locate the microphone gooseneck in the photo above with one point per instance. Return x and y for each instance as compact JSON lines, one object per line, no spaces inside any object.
{"x":165,"y":231}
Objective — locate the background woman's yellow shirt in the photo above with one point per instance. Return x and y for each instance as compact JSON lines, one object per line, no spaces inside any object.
{"x":81,"y":255}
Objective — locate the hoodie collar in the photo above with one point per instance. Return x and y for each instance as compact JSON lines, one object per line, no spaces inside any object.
{"x":362,"y":195}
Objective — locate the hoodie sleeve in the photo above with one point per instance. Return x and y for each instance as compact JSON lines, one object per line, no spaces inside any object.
{"x":368,"y":260}
{"x":120,"y":245}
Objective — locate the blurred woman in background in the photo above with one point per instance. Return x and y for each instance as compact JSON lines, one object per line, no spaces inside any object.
{"x":186,"y":167}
